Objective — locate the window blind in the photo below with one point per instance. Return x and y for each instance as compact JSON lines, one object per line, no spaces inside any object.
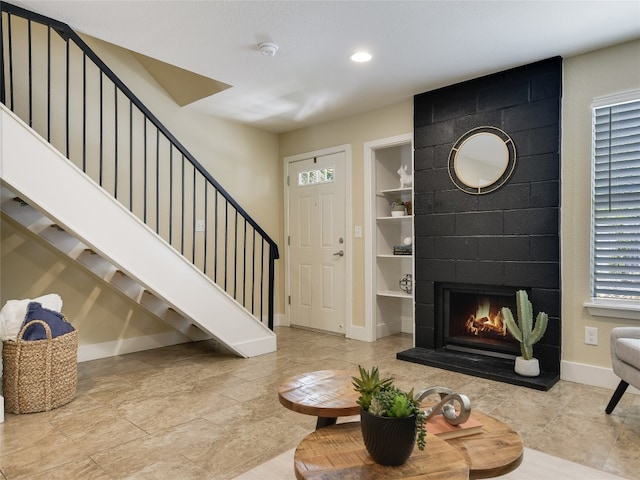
{"x":616,"y":201}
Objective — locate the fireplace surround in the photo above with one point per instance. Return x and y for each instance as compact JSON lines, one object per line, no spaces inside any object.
{"x":497,"y":242}
{"x":471,"y":319}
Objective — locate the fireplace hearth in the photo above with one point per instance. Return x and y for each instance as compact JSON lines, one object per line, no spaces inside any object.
{"x":471,"y":338}
{"x":493,"y":368}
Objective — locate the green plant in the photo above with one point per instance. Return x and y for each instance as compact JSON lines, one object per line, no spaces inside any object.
{"x":382,"y":398}
{"x":398,"y":203}
{"x":525,"y":332}
{"x":368,"y":384}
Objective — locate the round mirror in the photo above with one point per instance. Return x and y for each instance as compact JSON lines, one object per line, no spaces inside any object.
{"x":482,"y":160}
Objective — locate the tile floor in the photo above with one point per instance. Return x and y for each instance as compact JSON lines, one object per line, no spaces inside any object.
{"x":187,"y":412}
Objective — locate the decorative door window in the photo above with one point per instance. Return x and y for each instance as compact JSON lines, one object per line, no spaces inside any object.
{"x":314,"y":177}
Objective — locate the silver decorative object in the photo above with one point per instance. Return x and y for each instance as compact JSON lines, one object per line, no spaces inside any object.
{"x":446,"y":405}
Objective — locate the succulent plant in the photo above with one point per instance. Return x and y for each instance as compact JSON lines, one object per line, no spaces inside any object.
{"x":392,"y":402}
{"x":368,"y":384}
{"x":382,"y":398}
{"x":524,"y":331}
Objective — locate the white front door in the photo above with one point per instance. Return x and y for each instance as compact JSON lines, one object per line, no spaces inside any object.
{"x":317,"y":244}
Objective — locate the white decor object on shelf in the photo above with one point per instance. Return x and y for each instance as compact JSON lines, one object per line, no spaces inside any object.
{"x":406,"y":179}
{"x":407,"y":241}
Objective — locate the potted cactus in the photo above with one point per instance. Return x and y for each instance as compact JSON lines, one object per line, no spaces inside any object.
{"x":526,"y":333}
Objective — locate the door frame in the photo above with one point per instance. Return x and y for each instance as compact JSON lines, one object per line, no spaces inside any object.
{"x":348,"y":301}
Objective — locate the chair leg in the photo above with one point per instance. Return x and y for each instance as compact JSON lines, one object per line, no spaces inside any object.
{"x":622,"y":386}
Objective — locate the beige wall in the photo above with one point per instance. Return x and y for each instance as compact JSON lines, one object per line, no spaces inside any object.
{"x":355,"y":131}
{"x":244,"y":160}
{"x":601,"y":73}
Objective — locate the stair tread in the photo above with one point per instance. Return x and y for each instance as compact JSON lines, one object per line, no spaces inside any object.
{"x":63,"y":241}
{"x":100,"y":266}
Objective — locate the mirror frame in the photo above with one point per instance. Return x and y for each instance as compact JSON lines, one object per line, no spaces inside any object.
{"x":508,"y":171}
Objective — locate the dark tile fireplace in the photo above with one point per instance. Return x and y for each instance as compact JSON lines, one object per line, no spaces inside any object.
{"x":472,"y":252}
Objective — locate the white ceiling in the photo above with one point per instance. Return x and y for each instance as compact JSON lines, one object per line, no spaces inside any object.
{"x":417,"y":46}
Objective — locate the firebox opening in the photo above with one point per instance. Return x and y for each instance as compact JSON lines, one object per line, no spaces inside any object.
{"x":472,"y":321}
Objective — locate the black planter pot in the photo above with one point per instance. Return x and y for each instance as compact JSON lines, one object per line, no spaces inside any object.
{"x":389,"y":441}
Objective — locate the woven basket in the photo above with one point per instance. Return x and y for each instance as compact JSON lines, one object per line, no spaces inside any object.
{"x":39,"y":375}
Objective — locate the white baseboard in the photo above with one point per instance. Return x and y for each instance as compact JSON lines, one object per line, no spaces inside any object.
{"x":147,"y":342}
{"x":359,"y":333}
{"x":591,"y":375}
{"x":129,"y":345}
{"x":280,"y":320}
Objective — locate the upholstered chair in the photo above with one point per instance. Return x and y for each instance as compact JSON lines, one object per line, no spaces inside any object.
{"x":625,"y":358}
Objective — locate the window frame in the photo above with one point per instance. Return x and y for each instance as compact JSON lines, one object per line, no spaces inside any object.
{"x":602,"y":306}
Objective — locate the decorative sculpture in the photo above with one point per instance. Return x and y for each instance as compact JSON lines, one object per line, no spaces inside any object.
{"x":406,"y":179}
{"x":446,"y":405}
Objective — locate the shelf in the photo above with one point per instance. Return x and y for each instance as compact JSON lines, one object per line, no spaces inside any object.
{"x":394,"y":293}
{"x":389,"y":309}
{"x":394,"y":219}
{"x":396,"y":191}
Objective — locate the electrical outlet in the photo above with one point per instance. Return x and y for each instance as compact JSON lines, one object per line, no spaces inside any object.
{"x":591,"y":335}
{"x":358,"y":231}
{"x":199,"y":225}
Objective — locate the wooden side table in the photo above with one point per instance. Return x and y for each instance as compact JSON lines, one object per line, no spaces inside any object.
{"x":338,"y":453}
{"x":326,"y":394}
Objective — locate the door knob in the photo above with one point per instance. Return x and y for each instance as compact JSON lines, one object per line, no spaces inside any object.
{"x":340,"y":253}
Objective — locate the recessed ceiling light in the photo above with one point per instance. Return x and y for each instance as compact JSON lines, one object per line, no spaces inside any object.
{"x":361,"y":57}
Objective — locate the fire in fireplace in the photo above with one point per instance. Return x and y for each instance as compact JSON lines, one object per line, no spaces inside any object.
{"x":472,"y":319}
{"x":486,"y":321}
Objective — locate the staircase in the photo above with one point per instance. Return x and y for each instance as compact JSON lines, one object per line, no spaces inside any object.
{"x":210,"y":282}
{"x":47,"y":230}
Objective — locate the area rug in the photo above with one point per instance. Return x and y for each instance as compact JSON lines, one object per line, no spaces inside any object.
{"x":535,"y":466}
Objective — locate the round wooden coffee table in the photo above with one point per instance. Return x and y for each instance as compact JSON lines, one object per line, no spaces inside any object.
{"x":326,"y":394}
{"x":495,"y":451}
{"x":337,"y":452}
